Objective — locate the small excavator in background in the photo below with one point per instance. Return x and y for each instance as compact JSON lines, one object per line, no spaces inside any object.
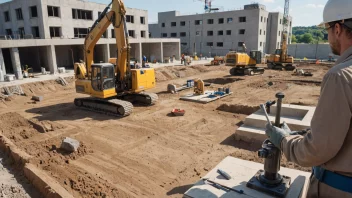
{"x":113,"y":86}
{"x":281,"y":60}
{"x":244,"y":64}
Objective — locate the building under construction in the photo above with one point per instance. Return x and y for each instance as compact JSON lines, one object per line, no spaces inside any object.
{"x":216,"y":33}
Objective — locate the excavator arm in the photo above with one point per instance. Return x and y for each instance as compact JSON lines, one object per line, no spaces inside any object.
{"x":116,"y":17}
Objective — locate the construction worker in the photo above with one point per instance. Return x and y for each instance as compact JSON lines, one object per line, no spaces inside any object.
{"x":144,"y":60}
{"x":328,"y":146}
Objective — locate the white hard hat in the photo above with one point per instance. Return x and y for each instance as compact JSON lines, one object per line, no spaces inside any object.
{"x":337,"y":10}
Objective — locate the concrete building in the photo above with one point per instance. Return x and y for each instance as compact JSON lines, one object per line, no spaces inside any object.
{"x":50,"y":34}
{"x":217,"y":33}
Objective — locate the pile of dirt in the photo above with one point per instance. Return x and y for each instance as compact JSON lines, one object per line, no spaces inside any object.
{"x":17,"y":128}
{"x":273,"y":85}
{"x":238,"y":108}
{"x":169,"y":73}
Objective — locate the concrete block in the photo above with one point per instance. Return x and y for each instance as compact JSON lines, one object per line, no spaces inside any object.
{"x":69,"y":144}
{"x":37,"y":98}
{"x":203,"y":98}
{"x":297,"y":118}
{"x":241,"y":172}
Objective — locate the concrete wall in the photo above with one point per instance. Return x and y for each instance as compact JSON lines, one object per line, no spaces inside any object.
{"x":171,"y":49}
{"x":310,"y":51}
{"x":152,"y":51}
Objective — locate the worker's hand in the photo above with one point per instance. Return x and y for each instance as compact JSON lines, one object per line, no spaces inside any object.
{"x":276,"y":134}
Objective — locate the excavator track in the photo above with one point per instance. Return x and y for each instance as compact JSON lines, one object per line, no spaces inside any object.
{"x":144,"y":98}
{"x":114,"y":107}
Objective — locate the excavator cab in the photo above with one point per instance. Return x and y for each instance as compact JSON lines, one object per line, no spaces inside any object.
{"x":278,"y":51}
{"x":256,"y":56}
{"x":103,"y":76}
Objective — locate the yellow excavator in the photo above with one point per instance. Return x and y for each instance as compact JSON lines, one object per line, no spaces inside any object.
{"x":113,"y":86}
{"x":244,"y":64}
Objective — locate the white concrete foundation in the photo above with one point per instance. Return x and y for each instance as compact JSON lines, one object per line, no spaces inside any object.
{"x":202,"y":98}
{"x":241,"y":172}
{"x":297,"y":118}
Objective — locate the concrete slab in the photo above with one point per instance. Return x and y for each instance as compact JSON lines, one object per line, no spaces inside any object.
{"x":202,"y":98}
{"x":241,"y":171}
{"x":297,"y":118}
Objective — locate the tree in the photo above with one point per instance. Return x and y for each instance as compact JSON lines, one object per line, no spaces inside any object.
{"x":307,"y":38}
{"x":294,"y":39}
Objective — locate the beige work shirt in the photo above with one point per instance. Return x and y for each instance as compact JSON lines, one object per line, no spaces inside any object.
{"x":329,"y":143}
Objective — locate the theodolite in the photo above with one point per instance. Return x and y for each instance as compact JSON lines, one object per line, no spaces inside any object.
{"x":269,"y":180}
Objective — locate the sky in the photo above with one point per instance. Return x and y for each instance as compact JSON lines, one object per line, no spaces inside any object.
{"x":304,"y":12}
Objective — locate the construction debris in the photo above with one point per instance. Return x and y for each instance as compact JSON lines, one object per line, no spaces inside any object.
{"x":61,"y":81}
{"x":37,"y":98}
{"x":69,"y":144}
{"x":13,"y":90}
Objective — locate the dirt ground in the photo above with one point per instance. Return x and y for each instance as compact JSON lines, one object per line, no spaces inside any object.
{"x":149,"y":153}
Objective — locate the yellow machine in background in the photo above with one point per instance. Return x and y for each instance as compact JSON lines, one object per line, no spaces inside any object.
{"x":199,"y":87}
{"x":244,"y":64}
{"x":114,"y":86}
{"x":281,"y":60}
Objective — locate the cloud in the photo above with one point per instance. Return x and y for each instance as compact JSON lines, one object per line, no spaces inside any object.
{"x":314,"y":6}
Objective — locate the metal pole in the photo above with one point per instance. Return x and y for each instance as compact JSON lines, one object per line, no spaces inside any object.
{"x":279,"y":97}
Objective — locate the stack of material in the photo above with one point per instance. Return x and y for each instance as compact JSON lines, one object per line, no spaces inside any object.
{"x":13,"y":90}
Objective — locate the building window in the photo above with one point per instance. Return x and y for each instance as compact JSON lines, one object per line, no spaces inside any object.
{"x":220,"y":44}
{"x":210,"y":33}
{"x":264,"y":19}
{"x":228,"y":32}
{"x":8,"y":32}
{"x":183,"y":23}
{"x":7,"y":16}
{"x":229,"y":20}
{"x":182,"y":34}
{"x":19,"y":14}
{"x":261,"y":44}
{"x":198,"y":33}
{"x":210,"y":21}
{"x":261,"y":19}
{"x":56,"y":31}
{"x":280,"y":21}
{"x":279,"y":33}
{"x":129,"y":19}
{"x":99,"y":13}
{"x":242,"y":19}
{"x":264,"y":32}
{"x":242,"y":31}
{"x":184,"y":44}
{"x":220,"y":33}
{"x":240,"y":44}
{"x":210,"y":44}
{"x":80,"y":32}
{"x":260,"y":32}
{"x":164,"y":35}
{"x":35,"y":32}
{"x":21,"y":32}
{"x":163,"y":25}
{"x":173,"y":35}
{"x":290,"y":23}
{"x":142,"y":19}
{"x":173,"y":24}
{"x":198,"y":22}
{"x":53,"y":11}
{"x":34,"y":12}
{"x":113,"y":33}
{"x":131,"y":33}
{"x":143,"y":34}
{"x":221,"y":20}
{"x":82,"y":14}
